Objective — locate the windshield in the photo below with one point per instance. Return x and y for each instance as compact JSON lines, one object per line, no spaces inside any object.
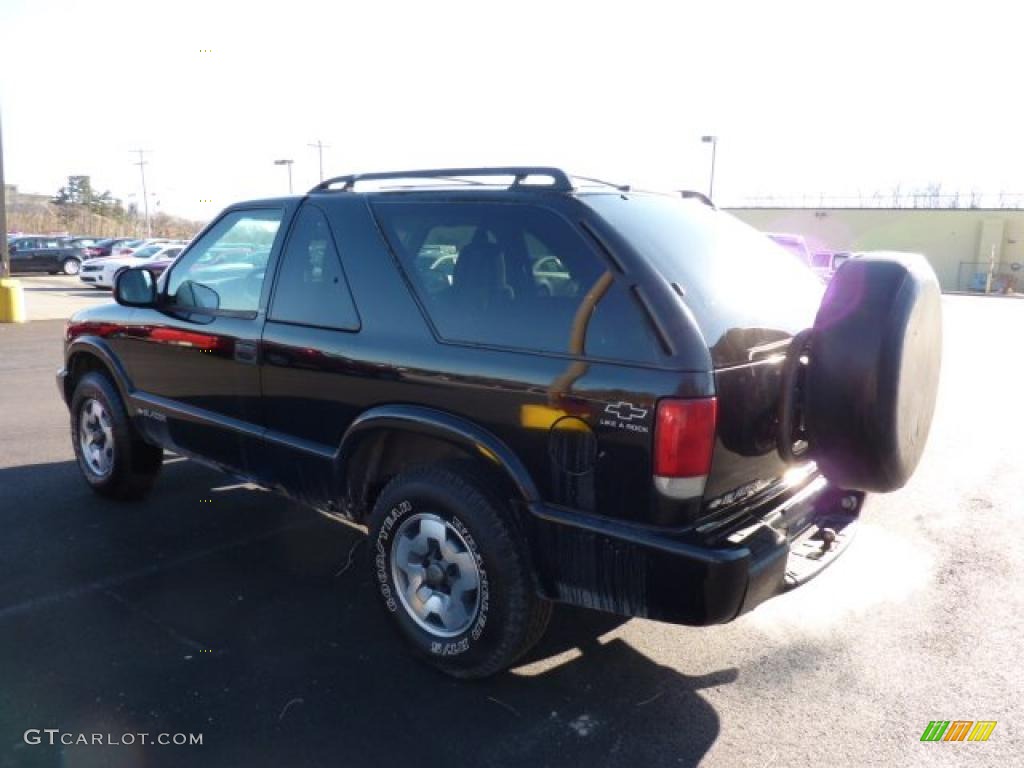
{"x":148,"y":251}
{"x":732,"y":276}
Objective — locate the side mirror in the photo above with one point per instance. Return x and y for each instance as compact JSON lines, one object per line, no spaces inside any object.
{"x":135,"y":288}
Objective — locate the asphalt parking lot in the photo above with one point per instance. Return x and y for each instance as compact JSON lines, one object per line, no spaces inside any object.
{"x":219,"y":609}
{"x":51,"y":297}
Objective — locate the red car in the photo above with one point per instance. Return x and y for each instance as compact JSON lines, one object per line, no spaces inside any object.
{"x":158,"y":266}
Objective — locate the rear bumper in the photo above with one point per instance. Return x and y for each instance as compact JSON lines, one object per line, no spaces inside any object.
{"x":620,"y":568}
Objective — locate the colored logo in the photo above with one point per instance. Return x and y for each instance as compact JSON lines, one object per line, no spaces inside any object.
{"x":958,"y":730}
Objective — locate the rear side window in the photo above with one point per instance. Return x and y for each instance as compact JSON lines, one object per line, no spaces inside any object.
{"x":311,"y":287}
{"x":732,"y":276}
{"x":514,"y":275}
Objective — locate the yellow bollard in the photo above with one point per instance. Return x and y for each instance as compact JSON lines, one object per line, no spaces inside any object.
{"x":12,"y":301}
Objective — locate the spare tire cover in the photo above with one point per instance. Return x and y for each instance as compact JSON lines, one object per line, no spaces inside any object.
{"x":873,"y":371}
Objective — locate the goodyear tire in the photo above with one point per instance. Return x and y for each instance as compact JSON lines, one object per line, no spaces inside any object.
{"x":873,"y":371}
{"x":453,"y":573}
{"x":113,"y":458}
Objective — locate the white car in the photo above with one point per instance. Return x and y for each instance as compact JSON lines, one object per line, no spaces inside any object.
{"x":100,"y":273}
{"x":130,"y":247}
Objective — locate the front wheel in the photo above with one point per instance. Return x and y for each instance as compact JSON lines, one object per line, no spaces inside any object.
{"x":113,"y":458}
{"x":453,"y":572}
{"x":71,"y":266}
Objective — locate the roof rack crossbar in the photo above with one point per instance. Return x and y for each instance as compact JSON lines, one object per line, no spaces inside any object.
{"x":560,"y":179}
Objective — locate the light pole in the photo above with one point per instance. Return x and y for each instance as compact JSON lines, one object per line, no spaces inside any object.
{"x":320,"y":147}
{"x":5,"y":258}
{"x":289,"y":164}
{"x":713,"y":141}
{"x":145,"y":198}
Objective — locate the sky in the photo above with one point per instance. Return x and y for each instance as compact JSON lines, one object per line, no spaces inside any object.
{"x":813,"y":98}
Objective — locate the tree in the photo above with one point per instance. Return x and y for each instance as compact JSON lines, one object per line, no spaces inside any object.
{"x":78,"y":191}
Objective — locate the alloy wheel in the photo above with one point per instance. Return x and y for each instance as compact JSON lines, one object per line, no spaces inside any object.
{"x":96,"y":437}
{"x":436,"y":575}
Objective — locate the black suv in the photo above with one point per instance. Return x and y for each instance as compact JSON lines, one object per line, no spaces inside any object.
{"x":528,"y":387}
{"x":45,"y":254}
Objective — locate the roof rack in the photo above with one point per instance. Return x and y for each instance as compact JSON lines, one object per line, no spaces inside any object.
{"x":603,"y":183}
{"x":560,"y":181}
{"x":691,"y":194}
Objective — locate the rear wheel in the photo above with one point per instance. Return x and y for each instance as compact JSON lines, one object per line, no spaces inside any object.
{"x":113,"y":458}
{"x":71,"y":266}
{"x":453,"y":572}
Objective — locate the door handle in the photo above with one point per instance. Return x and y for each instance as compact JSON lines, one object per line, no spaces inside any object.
{"x":245,"y":351}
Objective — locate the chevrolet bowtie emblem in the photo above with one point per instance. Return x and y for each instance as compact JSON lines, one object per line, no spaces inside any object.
{"x":625,"y":411}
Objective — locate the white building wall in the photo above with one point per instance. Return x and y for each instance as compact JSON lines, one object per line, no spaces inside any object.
{"x":948,"y":237}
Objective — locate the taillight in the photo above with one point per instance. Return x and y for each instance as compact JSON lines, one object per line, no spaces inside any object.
{"x":684,"y":438}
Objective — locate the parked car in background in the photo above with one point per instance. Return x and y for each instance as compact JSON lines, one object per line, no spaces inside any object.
{"x":126,"y":247}
{"x":87,"y":244}
{"x":825,"y":263}
{"x":839,"y":257}
{"x":44,"y":254}
{"x":100,"y":273}
{"x":105,"y":247}
{"x":795,"y":244}
{"x":130,"y":248}
{"x":159,"y":265}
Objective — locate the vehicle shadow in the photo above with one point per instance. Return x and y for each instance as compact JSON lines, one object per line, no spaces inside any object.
{"x":213,"y":608}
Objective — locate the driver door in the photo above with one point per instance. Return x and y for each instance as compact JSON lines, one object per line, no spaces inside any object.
{"x":194,"y":360}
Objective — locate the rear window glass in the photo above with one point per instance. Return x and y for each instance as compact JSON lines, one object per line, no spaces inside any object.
{"x":732,"y":275}
{"x":514,"y":275}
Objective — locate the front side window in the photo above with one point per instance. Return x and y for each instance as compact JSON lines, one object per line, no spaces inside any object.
{"x":514,"y":275}
{"x":311,"y":287}
{"x":225,"y":269}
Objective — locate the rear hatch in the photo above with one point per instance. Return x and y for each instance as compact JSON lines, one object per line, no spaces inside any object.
{"x":748,"y":297}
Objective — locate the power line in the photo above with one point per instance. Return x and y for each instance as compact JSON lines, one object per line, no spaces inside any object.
{"x":145,"y":197}
{"x":320,"y":147}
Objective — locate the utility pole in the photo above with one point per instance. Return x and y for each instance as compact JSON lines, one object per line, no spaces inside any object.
{"x":145,"y":197}
{"x":713,"y":141}
{"x":320,"y":147}
{"x":289,"y":164}
{"x":5,"y":256}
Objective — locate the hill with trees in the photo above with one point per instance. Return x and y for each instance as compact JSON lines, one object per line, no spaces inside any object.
{"x":77,"y":208}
